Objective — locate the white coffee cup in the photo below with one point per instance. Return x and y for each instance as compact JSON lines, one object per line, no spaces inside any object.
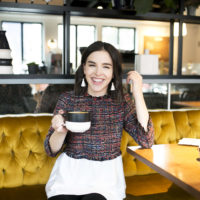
{"x":78,"y":121}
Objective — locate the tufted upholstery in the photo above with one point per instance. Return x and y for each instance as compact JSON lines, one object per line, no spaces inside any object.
{"x":22,"y":157}
{"x":170,"y":126}
{"x":23,"y":161}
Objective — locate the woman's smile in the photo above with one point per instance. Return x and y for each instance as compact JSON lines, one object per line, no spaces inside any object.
{"x":97,"y":81}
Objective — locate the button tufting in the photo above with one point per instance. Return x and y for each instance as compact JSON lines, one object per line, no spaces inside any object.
{"x":38,"y":132}
{"x":3,"y":135}
{"x":12,"y":152}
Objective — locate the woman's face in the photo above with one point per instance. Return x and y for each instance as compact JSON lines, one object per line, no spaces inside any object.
{"x":98,"y":71}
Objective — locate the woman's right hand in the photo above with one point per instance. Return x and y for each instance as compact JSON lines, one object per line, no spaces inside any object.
{"x":57,"y":123}
{"x":57,"y":138}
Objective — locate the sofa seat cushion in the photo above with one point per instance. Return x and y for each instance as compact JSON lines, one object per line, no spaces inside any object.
{"x":147,"y":184}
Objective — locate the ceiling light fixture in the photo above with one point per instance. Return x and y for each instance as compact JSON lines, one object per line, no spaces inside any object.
{"x":100,"y":7}
{"x":52,"y":44}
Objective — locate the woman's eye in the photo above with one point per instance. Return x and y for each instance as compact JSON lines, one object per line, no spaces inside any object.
{"x":107,"y":67}
{"x":91,"y":65}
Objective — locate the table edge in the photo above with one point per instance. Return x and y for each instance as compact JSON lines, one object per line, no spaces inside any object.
{"x":169,"y":176}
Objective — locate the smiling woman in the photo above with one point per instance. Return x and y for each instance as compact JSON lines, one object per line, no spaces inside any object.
{"x":89,"y":157}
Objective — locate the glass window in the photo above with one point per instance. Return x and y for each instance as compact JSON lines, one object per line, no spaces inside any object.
{"x":60,"y":36}
{"x":191,"y":50}
{"x":85,"y":37}
{"x":30,"y":98}
{"x":185,"y":95}
{"x":124,"y":40}
{"x":13,"y":31}
{"x":24,"y":50}
{"x":121,"y":38}
{"x":155,"y":95}
{"x":153,"y":55}
{"x":73,"y":47}
{"x":30,"y":45}
{"x":34,"y":39}
{"x":82,"y":36}
{"x":192,"y":9}
{"x":110,"y":35}
{"x":144,"y":45}
{"x":16,"y":99}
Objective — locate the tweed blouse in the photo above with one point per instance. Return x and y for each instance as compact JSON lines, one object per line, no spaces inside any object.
{"x":108,"y":119}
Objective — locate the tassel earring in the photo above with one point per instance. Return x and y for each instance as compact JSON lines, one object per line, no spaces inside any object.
{"x":112,"y":87}
{"x":83,"y":84}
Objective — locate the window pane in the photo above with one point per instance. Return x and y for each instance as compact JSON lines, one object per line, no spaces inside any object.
{"x":13,"y":31}
{"x":30,"y":98}
{"x":193,"y":10}
{"x":191,"y":50}
{"x":126,"y":39}
{"x":155,"y":95}
{"x":85,"y":37}
{"x":185,"y":95}
{"x":110,"y":35}
{"x":16,"y":99}
{"x":73,"y":49}
{"x":60,"y":36}
{"x":32,"y":43}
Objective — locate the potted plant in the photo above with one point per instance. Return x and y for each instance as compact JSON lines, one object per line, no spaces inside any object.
{"x":33,"y":68}
{"x":191,"y":6}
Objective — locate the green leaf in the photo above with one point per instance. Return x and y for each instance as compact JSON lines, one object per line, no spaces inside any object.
{"x":170,"y":3}
{"x":143,"y":6}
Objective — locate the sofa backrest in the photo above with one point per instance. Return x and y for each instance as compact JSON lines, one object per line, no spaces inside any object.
{"x":170,"y":126}
{"x":23,"y":160}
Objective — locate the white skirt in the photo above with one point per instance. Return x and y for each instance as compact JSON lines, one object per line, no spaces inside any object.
{"x":81,"y":176}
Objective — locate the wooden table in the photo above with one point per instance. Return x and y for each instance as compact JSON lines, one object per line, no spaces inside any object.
{"x":176,"y":162}
{"x":187,"y":103}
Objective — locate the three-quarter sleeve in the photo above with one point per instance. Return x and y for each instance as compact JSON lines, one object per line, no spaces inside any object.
{"x":133,"y":126}
{"x":61,"y":105}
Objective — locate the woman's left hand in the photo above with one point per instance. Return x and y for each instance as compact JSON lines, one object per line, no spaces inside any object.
{"x":135,"y":79}
{"x":142,"y":113}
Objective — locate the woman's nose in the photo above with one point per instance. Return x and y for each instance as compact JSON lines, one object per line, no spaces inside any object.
{"x":98,"y":70}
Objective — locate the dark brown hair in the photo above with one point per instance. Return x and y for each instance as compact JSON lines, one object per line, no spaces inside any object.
{"x":117,"y":94}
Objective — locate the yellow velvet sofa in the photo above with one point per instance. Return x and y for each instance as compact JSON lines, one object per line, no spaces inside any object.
{"x":25,"y":167}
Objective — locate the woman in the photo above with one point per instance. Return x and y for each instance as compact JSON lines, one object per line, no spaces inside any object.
{"x":90,"y":166}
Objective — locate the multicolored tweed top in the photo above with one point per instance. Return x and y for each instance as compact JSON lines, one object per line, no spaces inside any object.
{"x":102,"y":141}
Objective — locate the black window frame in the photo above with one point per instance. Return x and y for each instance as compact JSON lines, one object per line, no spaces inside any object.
{"x":67,"y":11}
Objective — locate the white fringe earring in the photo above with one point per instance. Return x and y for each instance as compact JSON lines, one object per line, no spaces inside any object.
{"x":83,"y":84}
{"x":112,"y":87}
